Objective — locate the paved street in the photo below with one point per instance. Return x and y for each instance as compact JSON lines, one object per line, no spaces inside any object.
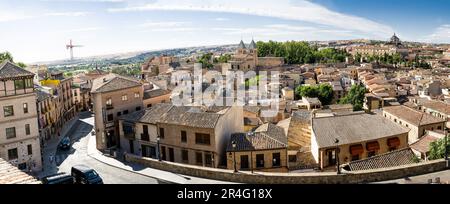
{"x":77,"y":154}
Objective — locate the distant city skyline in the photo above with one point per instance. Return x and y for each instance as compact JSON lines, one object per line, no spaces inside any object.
{"x":38,"y":30}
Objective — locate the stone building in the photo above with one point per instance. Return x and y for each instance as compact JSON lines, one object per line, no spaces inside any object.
{"x":418,"y":122}
{"x":356,"y":136}
{"x":60,"y":87}
{"x":112,"y":96}
{"x":19,"y":133}
{"x":392,"y":47}
{"x":259,"y":151}
{"x":157,"y":65}
{"x":191,"y":135}
{"x":245,"y":59}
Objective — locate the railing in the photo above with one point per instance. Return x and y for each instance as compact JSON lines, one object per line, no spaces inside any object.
{"x":109,"y":107}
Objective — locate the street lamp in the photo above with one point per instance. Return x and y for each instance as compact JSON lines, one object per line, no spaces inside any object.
{"x":159,"y":150}
{"x":336,"y":141}
{"x":233,"y":144}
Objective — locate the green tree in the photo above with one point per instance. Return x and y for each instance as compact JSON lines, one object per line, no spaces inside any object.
{"x":437,"y":149}
{"x":6,"y":56}
{"x":306,"y":91}
{"x":355,"y":97}
{"x":325,"y":93}
{"x":205,"y":59}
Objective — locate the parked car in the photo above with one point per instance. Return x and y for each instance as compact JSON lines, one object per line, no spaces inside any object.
{"x":65,"y":143}
{"x":61,"y":178}
{"x":85,"y":175}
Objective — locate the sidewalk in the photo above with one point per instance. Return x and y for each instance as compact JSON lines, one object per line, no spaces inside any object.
{"x":50,"y":149}
{"x":145,"y":171}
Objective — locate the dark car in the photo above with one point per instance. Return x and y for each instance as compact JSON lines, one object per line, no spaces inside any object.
{"x":65,"y":143}
{"x":85,"y":175}
{"x":61,"y":178}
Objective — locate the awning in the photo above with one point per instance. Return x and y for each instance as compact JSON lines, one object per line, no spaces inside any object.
{"x":356,"y":149}
{"x":372,"y":146}
{"x":393,"y":142}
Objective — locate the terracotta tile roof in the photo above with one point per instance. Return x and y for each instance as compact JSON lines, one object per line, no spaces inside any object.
{"x":150,"y":115}
{"x":10,"y":174}
{"x":423,"y":144}
{"x":178,"y":115}
{"x":9,"y":70}
{"x":273,"y":131}
{"x":190,"y":116}
{"x":155,"y":93}
{"x":438,"y":106}
{"x":386,"y":160}
{"x":413,"y":116}
{"x":255,"y":141}
{"x":112,"y":82}
{"x":252,"y":109}
{"x":353,"y":128}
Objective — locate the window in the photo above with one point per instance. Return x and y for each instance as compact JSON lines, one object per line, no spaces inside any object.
{"x":183,"y":136}
{"x":292,"y":158}
{"x":276,"y":159}
{"x":12,"y":154}
{"x":124,"y":97}
{"x":136,"y":95}
{"x":149,"y":105}
{"x":371,"y":154}
{"x":145,"y":136}
{"x":25,"y":107}
{"x":208,"y":160}
{"x":355,"y":157}
{"x":19,"y":84}
{"x":199,"y":158}
{"x":185,"y":156}
{"x":138,"y":108}
{"x":260,"y":160}
{"x":201,"y":138}
{"x":125,"y":112}
{"x":109,"y":102}
{"x":29,"y":83}
{"x":8,"y":111}
{"x":161,"y":133}
{"x":244,"y":162}
{"x":27,"y":129}
{"x":30,"y":149}
{"x":119,"y":114}
{"x":10,"y":132}
{"x":110,"y":117}
{"x":439,"y":127}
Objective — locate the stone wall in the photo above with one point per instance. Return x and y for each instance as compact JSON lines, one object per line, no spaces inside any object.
{"x":293,"y":178}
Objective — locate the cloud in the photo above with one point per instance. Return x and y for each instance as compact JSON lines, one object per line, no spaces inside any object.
{"x":440,"y":35}
{"x":87,"y":29}
{"x":70,"y":14}
{"x":153,"y":24}
{"x":221,"y":19}
{"x":285,"y":30}
{"x":6,"y":17}
{"x":167,"y":26}
{"x":301,"y":10}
